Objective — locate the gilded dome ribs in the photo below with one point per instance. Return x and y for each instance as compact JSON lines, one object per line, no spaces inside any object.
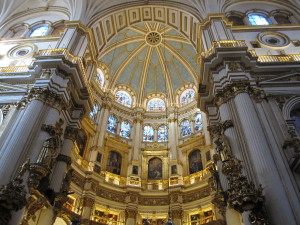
{"x":167,"y":74}
{"x":125,"y":63}
{"x":144,"y":75}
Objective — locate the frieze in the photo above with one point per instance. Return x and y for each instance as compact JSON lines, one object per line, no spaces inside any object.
{"x":153,"y":201}
{"x":111,"y":195}
{"x":196,"y":195}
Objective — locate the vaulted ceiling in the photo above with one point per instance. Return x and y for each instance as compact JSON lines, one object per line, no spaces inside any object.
{"x":150,"y":57}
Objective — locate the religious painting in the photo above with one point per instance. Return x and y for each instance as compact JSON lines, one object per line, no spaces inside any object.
{"x":173,"y":169}
{"x":81,"y":141}
{"x":155,"y":169}
{"x":114,"y":163}
{"x":195,"y":161}
{"x":112,"y":124}
{"x":195,"y":217}
{"x":99,"y":157}
{"x":135,"y":170}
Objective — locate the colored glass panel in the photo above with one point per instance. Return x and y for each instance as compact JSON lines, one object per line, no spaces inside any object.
{"x":156,"y":104}
{"x":94,"y":112}
{"x":123,"y":98}
{"x":255,"y":19}
{"x":112,"y":124}
{"x":39,"y":31}
{"x":148,"y":134}
{"x":100,"y":77}
{"x":185,"y":128}
{"x":198,"y":122}
{"x":162,"y":134}
{"x":125,"y":129}
{"x":187,"y":97}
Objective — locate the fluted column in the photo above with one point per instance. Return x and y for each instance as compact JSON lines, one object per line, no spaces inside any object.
{"x":131,"y":216}
{"x":261,"y":157}
{"x":63,"y":159}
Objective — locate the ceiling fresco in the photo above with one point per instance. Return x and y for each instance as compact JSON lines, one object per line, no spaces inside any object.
{"x":150,"y":57}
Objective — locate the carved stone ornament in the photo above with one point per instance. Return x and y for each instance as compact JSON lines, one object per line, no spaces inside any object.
{"x":242,"y":194}
{"x":71,"y":133}
{"x":88,"y":202}
{"x":292,"y":146}
{"x":64,"y":158}
{"x":13,"y":196}
{"x":176,"y":214}
{"x":219,"y":129}
{"x":219,"y":200}
{"x":43,"y":94}
{"x":130,"y":213}
{"x":54,"y":130}
{"x":235,"y":88}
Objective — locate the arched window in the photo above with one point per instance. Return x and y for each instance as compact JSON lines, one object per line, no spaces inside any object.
{"x":112,"y":124}
{"x":156,"y":104}
{"x":39,"y":31}
{"x":94,"y":112}
{"x":198,"y":122}
{"x":125,"y":129}
{"x":123,"y":98}
{"x":236,"y":20}
{"x":162,"y":133}
{"x":185,"y":128}
{"x":155,"y":169}
{"x":257,"y":19}
{"x":282,"y":19}
{"x":195,"y":161}
{"x":148,"y":134}
{"x":114,"y":163}
{"x":100,"y":77}
{"x":187,"y":97}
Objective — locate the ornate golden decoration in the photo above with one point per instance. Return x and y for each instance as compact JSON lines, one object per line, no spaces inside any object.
{"x":153,"y":38}
{"x":130,"y":213}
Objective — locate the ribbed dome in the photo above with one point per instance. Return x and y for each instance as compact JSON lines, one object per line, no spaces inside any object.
{"x":150,"y":58}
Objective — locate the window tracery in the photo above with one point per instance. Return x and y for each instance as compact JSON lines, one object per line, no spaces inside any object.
{"x":198,"y":122}
{"x":125,"y":129}
{"x":112,"y":124}
{"x":123,"y":98}
{"x":156,"y":104}
{"x":187,"y":97}
{"x":162,"y":133}
{"x":185,"y":128}
{"x":94,"y":112}
{"x":39,"y":31}
{"x":148,"y":134}
{"x":257,"y":19}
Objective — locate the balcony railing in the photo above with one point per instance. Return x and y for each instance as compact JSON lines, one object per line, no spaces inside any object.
{"x":223,"y":44}
{"x":14,"y":69}
{"x":278,"y":58}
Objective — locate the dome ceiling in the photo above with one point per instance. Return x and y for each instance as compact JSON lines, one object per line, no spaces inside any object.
{"x":150,"y":58}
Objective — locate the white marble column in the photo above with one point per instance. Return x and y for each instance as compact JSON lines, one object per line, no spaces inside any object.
{"x":14,"y":144}
{"x":264,"y":166}
{"x":137,"y":139}
{"x":103,"y":123}
{"x":46,"y":217}
{"x":172,"y":136}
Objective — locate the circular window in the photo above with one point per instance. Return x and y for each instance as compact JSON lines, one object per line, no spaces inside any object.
{"x":273,"y":39}
{"x":21,"y":51}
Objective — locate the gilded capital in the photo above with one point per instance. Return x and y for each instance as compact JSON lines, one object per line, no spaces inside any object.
{"x":130,"y":213}
{"x":88,"y":202}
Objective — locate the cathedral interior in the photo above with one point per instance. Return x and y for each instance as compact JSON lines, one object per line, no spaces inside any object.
{"x":149,"y":112}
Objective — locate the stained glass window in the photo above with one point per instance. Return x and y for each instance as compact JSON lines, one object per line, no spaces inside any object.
{"x":125,"y":129}
{"x":162,"y":133}
{"x":156,"y":104}
{"x":39,"y":31}
{"x":94,"y":112}
{"x":112,"y":124}
{"x":185,"y":128}
{"x":123,"y":98}
{"x":187,"y":97}
{"x":198,"y":122}
{"x":148,"y":134}
{"x":256,"y":19}
{"x":100,"y":77}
